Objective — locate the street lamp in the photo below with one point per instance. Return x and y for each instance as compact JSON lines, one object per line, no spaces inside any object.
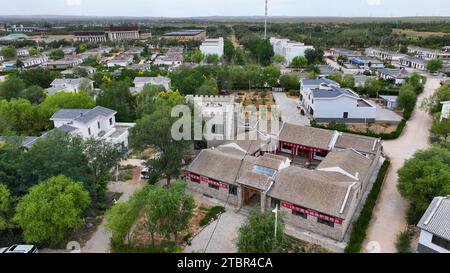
{"x":276,"y":219}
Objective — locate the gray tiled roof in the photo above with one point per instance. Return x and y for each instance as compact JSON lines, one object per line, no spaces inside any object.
{"x":317,"y":82}
{"x":333,"y":92}
{"x":67,"y":128}
{"x":68,"y":113}
{"x":436,"y":219}
{"x":95,"y":112}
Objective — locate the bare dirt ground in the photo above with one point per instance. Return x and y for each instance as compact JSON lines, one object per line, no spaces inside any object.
{"x":411,"y":32}
{"x":390,"y":212}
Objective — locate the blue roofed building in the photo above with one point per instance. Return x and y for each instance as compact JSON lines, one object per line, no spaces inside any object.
{"x":325,"y":101}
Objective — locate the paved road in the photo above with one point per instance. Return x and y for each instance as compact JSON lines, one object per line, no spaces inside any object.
{"x":390,"y":212}
{"x":225,"y":236}
{"x":100,"y":240}
{"x":288,"y":109}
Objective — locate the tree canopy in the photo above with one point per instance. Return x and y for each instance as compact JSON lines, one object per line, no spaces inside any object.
{"x":257,"y":234}
{"x":423,"y":177}
{"x":51,"y":209}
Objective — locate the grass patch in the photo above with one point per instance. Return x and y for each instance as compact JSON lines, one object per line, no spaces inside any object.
{"x":212,"y":214}
{"x":360,"y":226}
{"x":403,"y":243}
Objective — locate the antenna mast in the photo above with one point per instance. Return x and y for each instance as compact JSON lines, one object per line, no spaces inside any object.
{"x":265,"y":23}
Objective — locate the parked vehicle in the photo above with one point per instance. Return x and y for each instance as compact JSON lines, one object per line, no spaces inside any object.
{"x":145,"y":174}
{"x":19,"y":249}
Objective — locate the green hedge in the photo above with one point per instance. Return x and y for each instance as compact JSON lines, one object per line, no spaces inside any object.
{"x":360,"y":226}
{"x":213,"y":213}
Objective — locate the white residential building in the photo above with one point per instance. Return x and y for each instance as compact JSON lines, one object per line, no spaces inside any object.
{"x":65,"y":63}
{"x":68,"y":85}
{"x":399,"y":75}
{"x":416,"y":63}
{"x":445,"y":114}
{"x":325,"y":101}
{"x":212,"y":47}
{"x":34,"y":61}
{"x":435,"y":227}
{"x":121,"y":60}
{"x":288,"y":49}
{"x":384,"y":54}
{"x":99,"y":122}
{"x":428,"y":54}
{"x":140,"y":82}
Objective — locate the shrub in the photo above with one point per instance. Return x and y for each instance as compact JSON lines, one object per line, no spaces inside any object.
{"x":294,"y":93}
{"x":212,"y":214}
{"x":360,"y":226}
{"x":403,"y":243}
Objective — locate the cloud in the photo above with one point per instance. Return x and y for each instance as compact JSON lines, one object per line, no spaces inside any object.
{"x":374,"y":2}
{"x":73,"y":2}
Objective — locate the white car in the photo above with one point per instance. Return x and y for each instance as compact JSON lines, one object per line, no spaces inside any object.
{"x":145,"y":173}
{"x":19,"y":249}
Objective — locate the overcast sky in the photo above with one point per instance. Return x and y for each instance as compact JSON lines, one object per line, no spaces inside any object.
{"x":191,"y":8}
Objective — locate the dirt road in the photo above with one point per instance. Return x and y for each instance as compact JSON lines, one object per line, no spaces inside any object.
{"x":390,"y":212}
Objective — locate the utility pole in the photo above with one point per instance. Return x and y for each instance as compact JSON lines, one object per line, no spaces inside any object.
{"x":276,"y":220}
{"x":265,"y":23}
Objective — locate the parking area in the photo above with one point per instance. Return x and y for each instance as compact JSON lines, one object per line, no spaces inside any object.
{"x":386,"y":115}
{"x":288,"y":109}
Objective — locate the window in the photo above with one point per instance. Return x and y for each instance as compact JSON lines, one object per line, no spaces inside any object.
{"x":274,"y":203}
{"x":301,"y":214}
{"x":213,"y":186}
{"x":110,"y":121}
{"x":232,"y":189}
{"x":345,"y":115}
{"x":89,"y":131}
{"x":441,"y":242}
{"x":98,"y":124}
{"x":325,"y":222}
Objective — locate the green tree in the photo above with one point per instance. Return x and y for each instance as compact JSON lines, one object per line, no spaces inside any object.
{"x":10,"y":157}
{"x":262,"y":50}
{"x":38,"y":76}
{"x":21,"y":117}
{"x":407,"y":98}
{"x":209,"y":88}
{"x":348,"y":81}
{"x":51,"y":209}
{"x":57,"y":153}
{"x":82,"y":47}
{"x":169,"y":209}
{"x":417,"y":82}
{"x":56,"y":54}
{"x":11,"y":88}
{"x":101,"y":157}
{"x":435,"y":65}
{"x":278,"y":59}
{"x":257,"y":235}
{"x":299,"y":62}
{"x":8,"y":52}
{"x":314,"y":56}
{"x":116,"y":95}
{"x":441,"y":131}
{"x":433,"y":103}
{"x":228,"y":50}
{"x":154,"y":130}
{"x":33,"y":51}
{"x":423,"y":177}
{"x":373,"y":86}
{"x":119,"y":220}
{"x":5,"y":206}
{"x":212,"y":59}
{"x":271,"y":75}
{"x":35,"y":94}
{"x":290,"y":82}
{"x":197,"y":56}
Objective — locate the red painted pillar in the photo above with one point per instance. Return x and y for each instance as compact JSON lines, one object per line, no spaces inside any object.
{"x":310,"y":155}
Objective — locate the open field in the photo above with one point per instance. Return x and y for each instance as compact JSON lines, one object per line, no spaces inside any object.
{"x":410,"y":32}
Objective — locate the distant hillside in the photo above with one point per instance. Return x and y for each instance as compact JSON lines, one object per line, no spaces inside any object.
{"x":224,"y":19}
